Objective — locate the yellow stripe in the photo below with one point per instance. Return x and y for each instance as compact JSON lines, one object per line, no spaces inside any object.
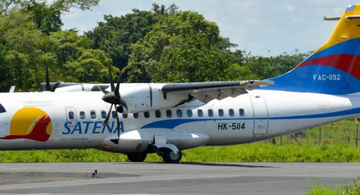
{"x":345,"y":30}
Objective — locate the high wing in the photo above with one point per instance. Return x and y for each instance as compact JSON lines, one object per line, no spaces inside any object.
{"x":207,"y":91}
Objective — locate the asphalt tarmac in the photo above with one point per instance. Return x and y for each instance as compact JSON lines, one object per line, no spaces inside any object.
{"x":182,"y":178}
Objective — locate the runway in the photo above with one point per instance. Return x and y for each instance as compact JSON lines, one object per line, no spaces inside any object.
{"x":161,"y":178}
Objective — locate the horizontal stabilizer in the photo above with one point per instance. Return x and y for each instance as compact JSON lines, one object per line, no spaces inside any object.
{"x":353,"y":17}
{"x":332,"y":19}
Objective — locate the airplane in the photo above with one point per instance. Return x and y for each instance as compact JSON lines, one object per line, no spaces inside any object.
{"x":136,"y":119}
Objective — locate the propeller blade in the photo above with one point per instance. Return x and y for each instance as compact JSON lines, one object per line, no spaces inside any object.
{"x":124,"y":104}
{"x":117,"y":93}
{"x":118,"y":125}
{"x":101,"y":89}
{"x":108,"y":116}
{"x":39,"y":84}
{"x":111,"y":79}
{"x":116,"y":141}
{"x":55,"y":86}
{"x":47,"y":78}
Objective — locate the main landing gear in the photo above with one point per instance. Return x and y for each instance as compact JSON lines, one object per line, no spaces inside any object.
{"x":137,"y":157}
{"x":168,"y":155}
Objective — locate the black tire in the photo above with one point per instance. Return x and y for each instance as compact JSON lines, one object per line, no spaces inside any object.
{"x":137,"y":157}
{"x":170,"y":157}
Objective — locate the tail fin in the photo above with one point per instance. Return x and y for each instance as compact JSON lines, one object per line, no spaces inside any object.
{"x":334,"y":68}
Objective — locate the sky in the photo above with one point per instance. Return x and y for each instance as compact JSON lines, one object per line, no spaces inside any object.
{"x":262,"y":27}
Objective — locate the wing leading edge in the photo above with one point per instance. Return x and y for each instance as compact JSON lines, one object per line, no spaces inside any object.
{"x":207,"y":91}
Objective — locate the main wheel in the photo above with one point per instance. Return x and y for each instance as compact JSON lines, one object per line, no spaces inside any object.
{"x":137,"y":157}
{"x":170,"y":157}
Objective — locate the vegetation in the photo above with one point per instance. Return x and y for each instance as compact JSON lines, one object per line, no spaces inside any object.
{"x":339,"y":190}
{"x":148,"y":42}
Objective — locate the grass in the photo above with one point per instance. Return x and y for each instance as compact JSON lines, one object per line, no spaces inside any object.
{"x":254,"y":152}
{"x":346,"y":189}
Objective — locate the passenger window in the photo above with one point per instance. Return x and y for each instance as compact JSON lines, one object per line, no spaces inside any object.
{"x":157,"y":113}
{"x":241,"y":112}
{"x":93,"y":114}
{"x":147,"y":114}
{"x":103,"y":114}
{"x":82,"y":115}
{"x":71,"y":115}
{"x":125,"y":115}
{"x":200,"y":113}
{"x":189,"y":113}
{"x":179,"y":113}
{"x":210,"y":113}
{"x":113,"y":114}
{"x":231,"y":112}
{"x":168,"y":113}
{"x":221,"y":112}
{"x":136,"y":115}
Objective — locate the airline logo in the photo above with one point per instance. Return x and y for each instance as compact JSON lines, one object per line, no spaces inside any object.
{"x":30,"y":123}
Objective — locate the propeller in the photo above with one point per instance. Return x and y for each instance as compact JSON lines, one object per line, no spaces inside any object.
{"x":52,"y":89}
{"x":114,"y":97}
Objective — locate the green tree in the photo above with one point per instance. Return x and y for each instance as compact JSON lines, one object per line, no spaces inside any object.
{"x":76,"y":61}
{"x":57,"y":5}
{"x":117,"y":34}
{"x":181,"y":47}
{"x":23,"y":48}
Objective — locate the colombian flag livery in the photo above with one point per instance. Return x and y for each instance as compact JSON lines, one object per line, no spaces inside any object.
{"x":334,"y":68}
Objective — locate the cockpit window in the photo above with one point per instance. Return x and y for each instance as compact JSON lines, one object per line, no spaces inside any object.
{"x":2,"y":109}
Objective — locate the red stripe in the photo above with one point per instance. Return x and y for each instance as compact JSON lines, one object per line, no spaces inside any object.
{"x":345,"y":62}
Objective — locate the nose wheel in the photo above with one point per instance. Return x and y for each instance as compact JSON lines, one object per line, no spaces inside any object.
{"x":170,"y":157}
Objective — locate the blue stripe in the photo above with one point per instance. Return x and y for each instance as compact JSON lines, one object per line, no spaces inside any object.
{"x":172,"y":123}
{"x":346,"y":47}
{"x":302,"y":79}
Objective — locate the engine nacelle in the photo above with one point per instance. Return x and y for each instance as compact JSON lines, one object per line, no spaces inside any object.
{"x":130,"y":142}
{"x":80,"y":87}
{"x":147,"y":97}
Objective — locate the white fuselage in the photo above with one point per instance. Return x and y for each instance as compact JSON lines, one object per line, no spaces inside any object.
{"x":259,"y":115}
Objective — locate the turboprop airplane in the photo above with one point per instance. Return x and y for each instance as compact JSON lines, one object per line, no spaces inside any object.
{"x":165,"y":118}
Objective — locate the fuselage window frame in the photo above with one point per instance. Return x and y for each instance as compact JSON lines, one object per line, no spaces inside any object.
{"x":82,"y":115}
{"x":92,"y":114}
{"x":158,"y":113}
{"x":71,"y":115}
{"x":103,"y":114}
{"x":179,"y":113}
{"x":221,"y":112}
{"x":168,"y":113}
{"x":241,"y":112}
{"x":189,"y":113}
{"x":113,"y":114}
{"x":210,"y":113}
{"x":147,"y":114}
{"x":125,"y":115}
{"x":200,"y":113}
{"x":136,"y":115}
{"x":231,"y":112}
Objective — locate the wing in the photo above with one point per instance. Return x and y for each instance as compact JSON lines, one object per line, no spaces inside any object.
{"x":207,"y":91}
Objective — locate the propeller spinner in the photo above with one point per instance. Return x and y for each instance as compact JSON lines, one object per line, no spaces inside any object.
{"x":112,"y":98}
